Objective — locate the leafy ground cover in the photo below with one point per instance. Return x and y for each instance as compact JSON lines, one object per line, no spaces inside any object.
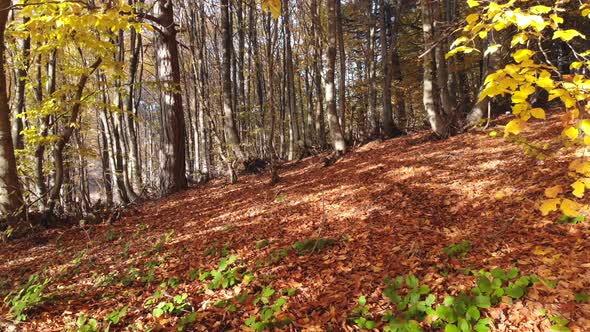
{"x":408,"y":230}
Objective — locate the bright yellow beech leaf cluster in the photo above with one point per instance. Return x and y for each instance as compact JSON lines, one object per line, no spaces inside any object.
{"x":76,"y":33}
{"x":530,"y":24}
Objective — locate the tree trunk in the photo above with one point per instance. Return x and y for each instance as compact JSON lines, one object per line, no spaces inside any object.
{"x":44,"y":128}
{"x":11,"y":200}
{"x":396,"y":74}
{"x":389,"y":128}
{"x":447,"y":109}
{"x":231,"y":132}
{"x":335,"y":129}
{"x":370,"y":67}
{"x":21,"y":76}
{"x":320,"y":125}
{"x":342,"y":58}
{"x":173,"y":149}
{"x":296,"y":146}
{"x":130,"y":124}
{"x":430,"y":94}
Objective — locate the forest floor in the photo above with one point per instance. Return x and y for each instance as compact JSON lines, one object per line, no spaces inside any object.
{"x":386,"y":209}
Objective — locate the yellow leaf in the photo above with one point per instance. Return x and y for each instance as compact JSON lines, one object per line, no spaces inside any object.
{"x":549,"y":205}
{"x":584,"y":125}
{"x":553,"y":192}
{"x":472,"y":18}
{"x":572,"y":133}
{"x":538,"y":113}
{"x":540,"y":9}
{"x":523,"y":94}
{"x":459,"y":41}
{"x":579,"y":189}
{"x":582,"y":167}
{"x":462,"y":49}
{"x":520,"y":38}
{"x":472,"y":3}
{"x":570,"y":208}
{"x":514,"y":127}
{"x":556,"y":19}
{"x":576,"y":65}
{"x":567,"y":35}
{"x":545,"y":83}
{"x":522,"y":55}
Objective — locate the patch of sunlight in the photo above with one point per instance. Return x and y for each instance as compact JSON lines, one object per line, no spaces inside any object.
{"x":491,"y":165}
{"x":406,"y":172}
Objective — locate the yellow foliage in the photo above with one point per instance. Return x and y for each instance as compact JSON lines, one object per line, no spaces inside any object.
{"x":571,"y":133}
{"x":570,"y":208}
{"x":538,"y":113}
{"x":579,"y":188}
{"x":472,"y":3}
{"x":514,"y":127}
{"x":553,"y":192}
{"x":522,"y":55}
{"x":549,"y":205}
{"x":580,"y":167}
{"x":567,"y":35}
{"x":584,"y":125}
{"x":531,"y":24}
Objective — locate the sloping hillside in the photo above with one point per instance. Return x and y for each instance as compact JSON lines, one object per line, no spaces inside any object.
{"x":386,"y":209}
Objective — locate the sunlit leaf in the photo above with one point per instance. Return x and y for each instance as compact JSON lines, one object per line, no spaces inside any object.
{"x":549,"y":205}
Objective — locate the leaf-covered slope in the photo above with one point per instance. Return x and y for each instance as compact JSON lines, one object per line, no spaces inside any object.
{"x":387,"y":209}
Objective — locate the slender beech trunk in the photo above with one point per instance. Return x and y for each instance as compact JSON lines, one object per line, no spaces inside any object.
{"x":398,"y":96}
{"x":389,"y":128}
{"x":335,"y":129}
{"x":342,"y":77}
{"x":44,"y":128}
{"x":134,"y":165}
{"x":120,"y":130}
{"x":447,"y":109}
{"x":204,"y":98}
{"x":371,"y":73}
{"x":231,"y":132}
{"x":104,"y":159}
{"x":21,"y":76}
{"x":320,"y":125}
{"x":430,"y":94}
{"x":296,"y":145}
{"x":11,"y":200}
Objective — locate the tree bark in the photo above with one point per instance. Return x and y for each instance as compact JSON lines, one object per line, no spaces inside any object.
{"x":430,"y":93}
{"x":342,"y":77}
{"x":21,"y":76}
{"x":335,"y":130}
{"x":11,"y":200}
{"x":389,"y":128}
{"x":231,"y":132}
{"x":173,"y":149}
{"x":320,"y":125}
